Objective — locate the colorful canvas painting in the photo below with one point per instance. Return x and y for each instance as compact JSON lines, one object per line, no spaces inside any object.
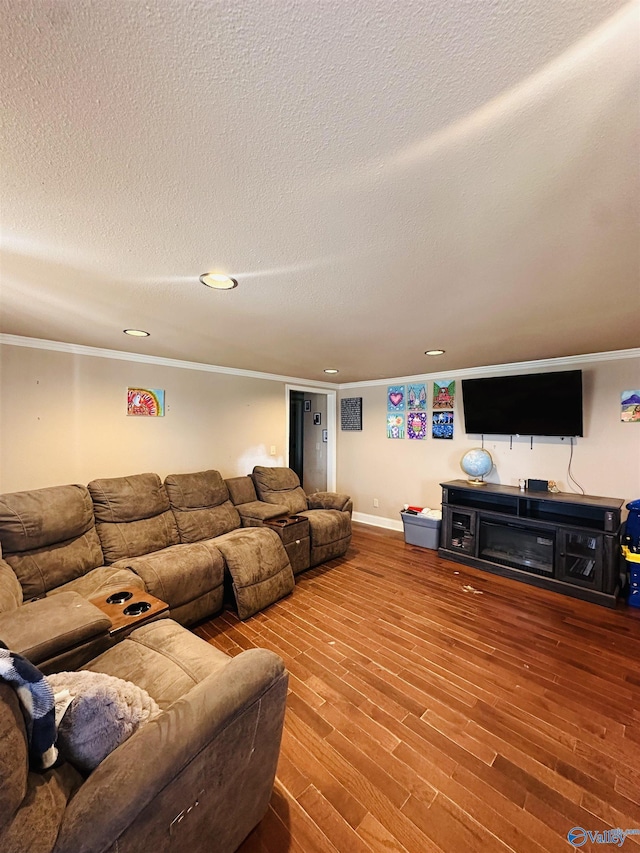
{"x":630,"y":407}
{"x":417,"y":398}
{"x":444,"y":393}
{"x":395,"y":426}
{"x":442,"y":424}
{"x":145,"y":402}
{"x":417,"y":425}
{"x":395,"y":398}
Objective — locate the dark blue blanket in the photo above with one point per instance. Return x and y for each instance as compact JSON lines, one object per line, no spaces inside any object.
{"x":38,"y":705}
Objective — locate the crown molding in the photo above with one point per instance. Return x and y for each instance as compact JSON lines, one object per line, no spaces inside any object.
{"x":468,"y":372}
{"x":118,"y":355}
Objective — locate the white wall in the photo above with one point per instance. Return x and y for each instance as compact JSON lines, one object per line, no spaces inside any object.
{"x":606,"y":461}
{"x":63,"y":420}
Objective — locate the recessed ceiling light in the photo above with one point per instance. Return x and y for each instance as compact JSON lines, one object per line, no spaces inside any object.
{"x":136,"y":333}
{"x":434,"y":352}
{"x":331,"y":370}
{"x":218,"y":281}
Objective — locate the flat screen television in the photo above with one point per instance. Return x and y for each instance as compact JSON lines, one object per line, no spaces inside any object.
{"x":531,"y":404}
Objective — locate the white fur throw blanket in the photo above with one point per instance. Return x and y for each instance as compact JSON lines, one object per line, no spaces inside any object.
{"x":102,"y":712}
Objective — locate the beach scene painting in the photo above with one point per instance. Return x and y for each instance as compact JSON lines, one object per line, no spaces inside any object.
{"x":630,"y":407}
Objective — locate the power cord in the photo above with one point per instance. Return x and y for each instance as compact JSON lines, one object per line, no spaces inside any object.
{"x":570,"y":477}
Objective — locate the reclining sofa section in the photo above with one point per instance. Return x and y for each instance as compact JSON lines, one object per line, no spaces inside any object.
{"x":215,"y":745}
{"x":139,"y":533}
{"x":328,"y":513}
{"x":255,"y":558}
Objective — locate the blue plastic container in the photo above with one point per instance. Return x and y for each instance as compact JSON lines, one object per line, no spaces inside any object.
{"x":632,"y":526}
{"x":633,"y":567}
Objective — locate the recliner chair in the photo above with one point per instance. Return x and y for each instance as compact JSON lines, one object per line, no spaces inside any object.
{"x":198,"y":777}
{"x":328,"y":513}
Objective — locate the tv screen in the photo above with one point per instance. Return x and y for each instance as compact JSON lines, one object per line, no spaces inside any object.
{"x":532,"y":404}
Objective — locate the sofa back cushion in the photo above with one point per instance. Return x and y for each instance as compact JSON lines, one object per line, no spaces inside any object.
{"x":280,"y":486}
{"x":201,"y":505}
{"x":133,"y":516}
{"x":49,"y":537}
{"x":11,"y":596}
{"x":241,"y":490}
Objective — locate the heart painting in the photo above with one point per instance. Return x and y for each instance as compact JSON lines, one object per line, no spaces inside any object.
{"x":395,"y":398}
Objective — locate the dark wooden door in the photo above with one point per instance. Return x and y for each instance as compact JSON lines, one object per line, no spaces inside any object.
{"x":296,"y":433}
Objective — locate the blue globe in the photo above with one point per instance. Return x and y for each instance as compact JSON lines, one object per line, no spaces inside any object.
{"x":476,"y":464}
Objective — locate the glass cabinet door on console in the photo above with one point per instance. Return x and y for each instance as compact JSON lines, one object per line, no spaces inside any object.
{"x":460,"y":530}
{"x":580,"y":558}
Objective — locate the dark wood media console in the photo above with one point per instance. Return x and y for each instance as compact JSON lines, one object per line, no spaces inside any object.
{"x":567,"y":543}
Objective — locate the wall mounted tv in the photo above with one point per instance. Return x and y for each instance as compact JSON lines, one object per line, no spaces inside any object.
{"x":531,"y":404}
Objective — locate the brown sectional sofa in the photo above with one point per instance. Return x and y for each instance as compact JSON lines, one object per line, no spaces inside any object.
{"x":177,"y":540}
{"x":201,"y":774}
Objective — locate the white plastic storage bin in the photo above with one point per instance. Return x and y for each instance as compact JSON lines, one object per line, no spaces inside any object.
{"x":422,"y":531}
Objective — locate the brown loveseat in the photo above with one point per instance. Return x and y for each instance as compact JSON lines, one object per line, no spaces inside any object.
{"x":198,"y":777}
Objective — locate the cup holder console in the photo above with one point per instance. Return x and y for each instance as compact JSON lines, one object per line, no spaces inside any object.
{"x":119,"y":597}
{"x":137,"y":608}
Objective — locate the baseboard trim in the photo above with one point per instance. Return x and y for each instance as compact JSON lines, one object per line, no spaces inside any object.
{"x":378,"y":521}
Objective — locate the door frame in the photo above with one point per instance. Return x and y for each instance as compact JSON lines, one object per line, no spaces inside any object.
{"x":332,"y":432}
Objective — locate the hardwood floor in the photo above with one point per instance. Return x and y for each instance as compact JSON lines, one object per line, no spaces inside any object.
{"x":424,"y":718}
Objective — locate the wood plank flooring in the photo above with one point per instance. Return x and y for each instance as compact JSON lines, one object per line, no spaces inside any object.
{"x":425,"y":719}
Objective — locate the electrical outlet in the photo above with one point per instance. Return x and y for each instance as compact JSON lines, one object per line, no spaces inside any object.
{"x":273,"y":450}
{"x":375,"y":502}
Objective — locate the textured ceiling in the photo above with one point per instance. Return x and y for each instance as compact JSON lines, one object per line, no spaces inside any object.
{"x":381,"y":177}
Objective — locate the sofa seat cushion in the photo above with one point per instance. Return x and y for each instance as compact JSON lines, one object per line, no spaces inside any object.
{"x":133,"y":516}
{"x":327,"y":525}
{"x":48,"y":536}
{"x":100,"y":580}
{"x":201,"y":505}
{"x":280,"y":486}
{"x":259,"y":568}
{"x":162,"y":658}
{"x":181,"y":573}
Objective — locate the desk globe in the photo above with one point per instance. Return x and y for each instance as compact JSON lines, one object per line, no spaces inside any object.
{"x":476,"y":464}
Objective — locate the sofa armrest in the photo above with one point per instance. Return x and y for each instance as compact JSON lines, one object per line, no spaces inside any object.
{"x":10,"y":589}
{"x":47,"y":627}
{"x":256,"y":513}
{"x":203,"y":769}
{"x":329,"y":500}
